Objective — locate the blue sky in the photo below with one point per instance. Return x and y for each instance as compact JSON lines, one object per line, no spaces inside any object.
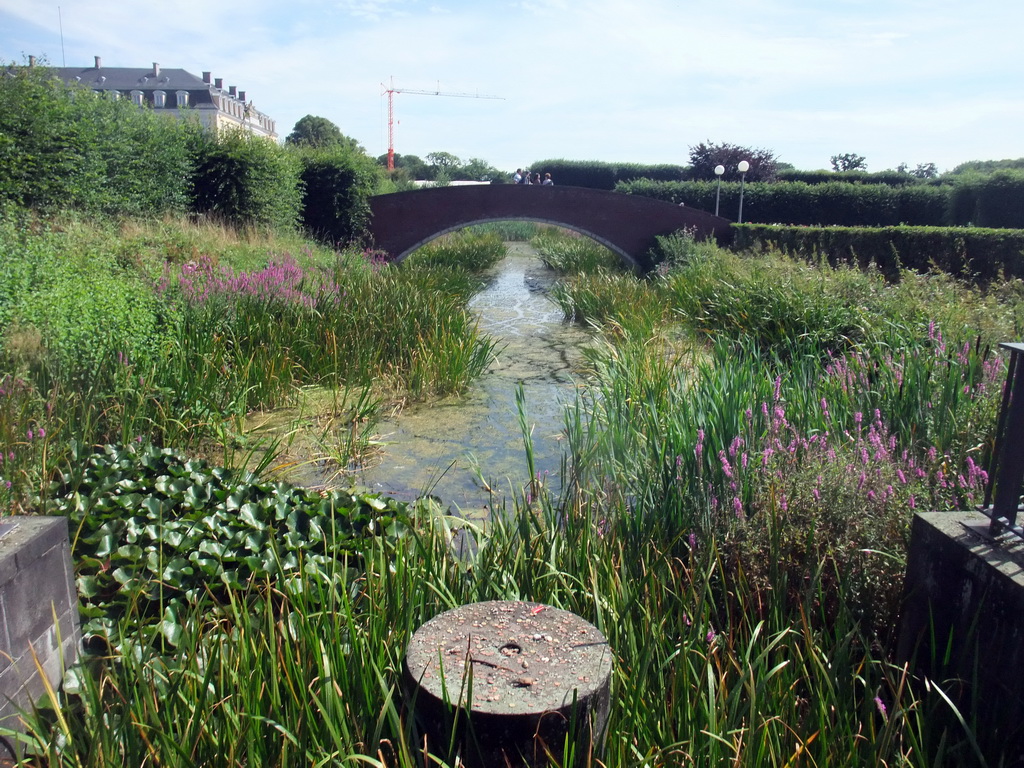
{"x":634,"y":80}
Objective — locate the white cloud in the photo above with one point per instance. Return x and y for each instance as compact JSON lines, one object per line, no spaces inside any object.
{"x":894,"y":80}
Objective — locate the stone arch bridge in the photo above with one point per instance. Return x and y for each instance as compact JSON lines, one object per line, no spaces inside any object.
{"x":627,"y":224}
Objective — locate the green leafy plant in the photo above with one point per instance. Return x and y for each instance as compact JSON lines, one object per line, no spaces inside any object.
{"x":246,"y":181}
{"x":154,"y":533}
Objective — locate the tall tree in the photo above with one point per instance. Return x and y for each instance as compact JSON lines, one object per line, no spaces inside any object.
{"x":413,"y":165}
{"x":443,"y":164}
{"x":705,"y":156}
{"x":848,"y":161}
{"x":477,"y":169}
{"x":320,"y":133}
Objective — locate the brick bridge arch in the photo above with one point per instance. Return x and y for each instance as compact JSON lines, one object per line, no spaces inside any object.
{"x":627,"y":224}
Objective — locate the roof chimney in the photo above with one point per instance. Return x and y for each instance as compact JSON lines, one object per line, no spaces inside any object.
{"x":241,"y":95}
{"x":218,"y":82}
{"x":156,"y":69}
{"x":233,"y":90}
{"x":206,"y":77}
{"x":99,"y":62}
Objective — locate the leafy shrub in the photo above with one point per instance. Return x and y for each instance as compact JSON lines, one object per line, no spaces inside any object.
{"x":246,"y":181}
{"x":65,"y":147}
{"x":706,"y":156}
{"x":86,"y":306}
{"x":336,"y":186}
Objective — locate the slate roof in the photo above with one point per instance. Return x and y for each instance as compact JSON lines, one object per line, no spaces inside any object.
{"x":142,"y":79}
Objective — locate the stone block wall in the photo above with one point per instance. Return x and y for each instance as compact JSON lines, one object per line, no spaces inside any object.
{"x":39,"y":628}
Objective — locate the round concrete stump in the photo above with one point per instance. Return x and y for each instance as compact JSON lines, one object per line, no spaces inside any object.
{"x":509,"y":683}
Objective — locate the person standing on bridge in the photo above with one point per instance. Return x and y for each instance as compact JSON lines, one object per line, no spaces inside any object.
{"x":517,"y":177}
{"x":547,"y":181}
{"x":536,"y":179}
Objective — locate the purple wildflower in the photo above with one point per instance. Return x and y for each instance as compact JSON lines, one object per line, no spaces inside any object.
{"x":881,"y":706}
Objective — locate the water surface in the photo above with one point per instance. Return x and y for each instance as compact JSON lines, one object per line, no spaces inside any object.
{"x":468,"y":450}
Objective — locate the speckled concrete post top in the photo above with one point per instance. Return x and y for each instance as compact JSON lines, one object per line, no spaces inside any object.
{"x":524,"y":658}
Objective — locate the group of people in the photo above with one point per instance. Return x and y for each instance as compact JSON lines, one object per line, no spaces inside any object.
{"x":522,"y":176}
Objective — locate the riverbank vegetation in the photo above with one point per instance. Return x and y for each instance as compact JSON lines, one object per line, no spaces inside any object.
{"x":178,"y":334}
{"x":742,"y":465}
{"x":749,"y":442}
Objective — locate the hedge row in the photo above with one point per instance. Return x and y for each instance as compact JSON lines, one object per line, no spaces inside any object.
{"x":892,"y":178}
{"x":979,"y":255}
{"x":987,"y":201}
{"x":597,"y":175}
{"x":65,"y":147}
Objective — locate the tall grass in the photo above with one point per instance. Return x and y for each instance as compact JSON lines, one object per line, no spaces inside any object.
{"x":571,"y":253}
{"x":281,"y":676}
{"x":803,"y":434}
{"x":165,"y":330}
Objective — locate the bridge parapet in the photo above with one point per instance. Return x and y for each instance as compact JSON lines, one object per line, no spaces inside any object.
{"x":627,"y":224}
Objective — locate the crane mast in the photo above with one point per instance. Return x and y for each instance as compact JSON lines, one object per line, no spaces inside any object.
{"x":391,"y":91}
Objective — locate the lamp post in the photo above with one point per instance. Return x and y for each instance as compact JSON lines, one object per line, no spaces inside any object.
{"x":743,"y":167}
{"x":719,"y":170}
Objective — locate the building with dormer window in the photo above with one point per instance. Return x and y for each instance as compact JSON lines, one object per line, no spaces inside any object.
{"x":176,"y":92}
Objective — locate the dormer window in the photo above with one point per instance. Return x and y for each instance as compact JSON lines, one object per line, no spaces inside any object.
{"x":182,"y":97}
{"x":159,"y":99}
{"x":138,"y":98}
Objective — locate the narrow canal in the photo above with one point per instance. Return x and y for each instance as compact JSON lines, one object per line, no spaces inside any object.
{"x":468,"y":451}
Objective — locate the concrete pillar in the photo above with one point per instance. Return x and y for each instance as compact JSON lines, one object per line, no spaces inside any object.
{"x":962,"y":624}
{"x":39,"y":627}
{"x":508,"y":683}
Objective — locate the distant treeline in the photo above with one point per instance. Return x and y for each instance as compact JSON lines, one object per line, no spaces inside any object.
{"x":65,"y":147}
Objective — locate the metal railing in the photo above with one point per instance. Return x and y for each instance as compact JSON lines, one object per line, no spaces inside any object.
{"x":1006,"y":468}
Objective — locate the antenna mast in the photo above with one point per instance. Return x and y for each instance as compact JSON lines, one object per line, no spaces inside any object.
{"x":391,"y":91}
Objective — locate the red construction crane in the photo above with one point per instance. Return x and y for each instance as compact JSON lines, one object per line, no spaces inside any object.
{"x":391,"y":91}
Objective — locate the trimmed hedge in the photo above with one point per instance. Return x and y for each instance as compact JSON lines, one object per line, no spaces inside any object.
{"x":336,"y":187}
{"x":993,"y":200}
{"x":987,"y":201}
{"x":597,"y":175}
{"x":246,"y":181}
{"x":66,"y":147}
{"x":979,"y":255}
{"x":891,"y":178}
